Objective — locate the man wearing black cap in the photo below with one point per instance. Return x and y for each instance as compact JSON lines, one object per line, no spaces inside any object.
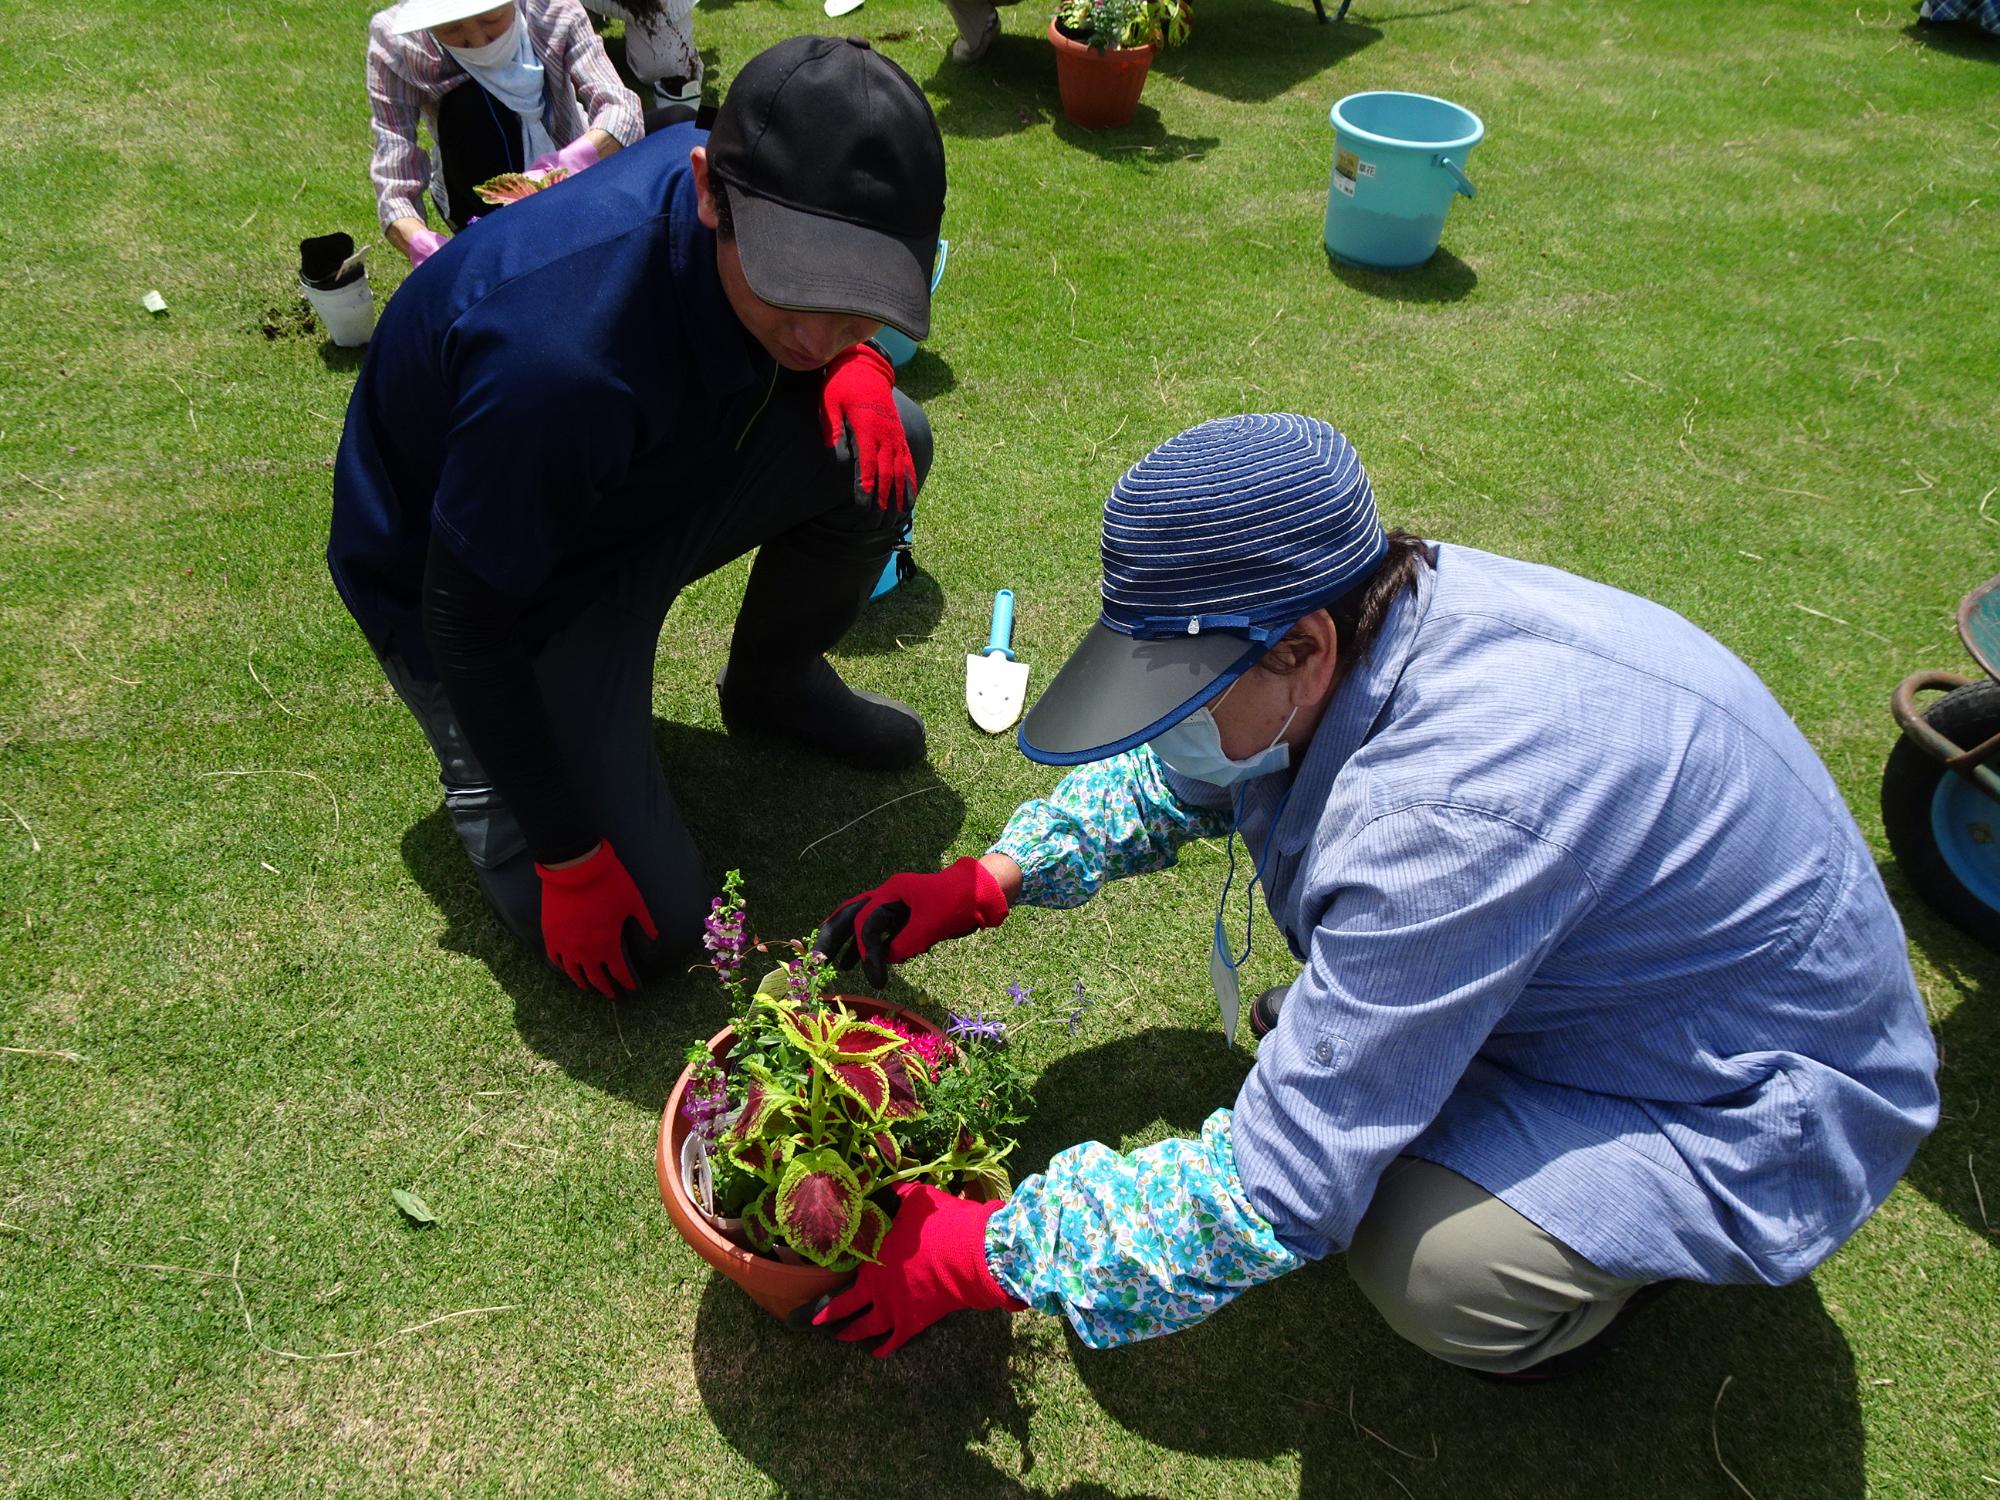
{"x":1599,"y":986}
{"x":602,"y":393}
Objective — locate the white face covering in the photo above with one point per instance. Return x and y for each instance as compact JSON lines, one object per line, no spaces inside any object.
{"x":508,"y":69}
{"x":1193,"y":748}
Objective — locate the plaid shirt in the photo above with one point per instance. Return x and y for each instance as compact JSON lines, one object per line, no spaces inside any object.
{"x":1985,"y":12}
{"x":408,"y":75}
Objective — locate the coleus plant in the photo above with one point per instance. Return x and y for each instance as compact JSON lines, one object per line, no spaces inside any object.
{"x":816,"y":1114}
{"x":510,"y":186}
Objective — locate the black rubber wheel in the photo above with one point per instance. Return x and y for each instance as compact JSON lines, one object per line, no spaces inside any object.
{"x":1943,"y":830}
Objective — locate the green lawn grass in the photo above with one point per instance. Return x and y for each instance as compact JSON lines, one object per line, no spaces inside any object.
{"x":1719,"y":329}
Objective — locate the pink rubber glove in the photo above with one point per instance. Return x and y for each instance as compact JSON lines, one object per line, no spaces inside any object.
{"x":858,"y":420}
{"x":933,"y":1262}
{"x":574,"y":157}
{"x":422,"y":244}
{"x":584,"y":911}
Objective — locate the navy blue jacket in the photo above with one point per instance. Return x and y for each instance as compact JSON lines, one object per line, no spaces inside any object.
{"x":548,"y":392}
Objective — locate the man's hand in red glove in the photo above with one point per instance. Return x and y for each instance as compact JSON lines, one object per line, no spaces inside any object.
{"x":585,"y":907}
{"x":908,"y":914}
{"x":858,"y":420}
{"x":933,"y":1262}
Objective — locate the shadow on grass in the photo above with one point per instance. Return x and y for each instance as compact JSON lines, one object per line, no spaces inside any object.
{"x":1296,"y":1369}
{"x":818,"y":1417}
{"x":1968,"y":1042}
{"x":1442,"y":278}
{"x":1144,"y":142}
{"x":754,"y":805}
{"x":1303,"y":1365}
{"x":1957,"y":38}
{"x":345,"y":361}
{"x":1251,"y":51}
{"x":906,"y":614}
{"x":926,"y":376}
{"x":1273,"y":1374}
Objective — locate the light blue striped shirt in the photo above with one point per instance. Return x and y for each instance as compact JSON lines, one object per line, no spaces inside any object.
{"x":1581,"y":917}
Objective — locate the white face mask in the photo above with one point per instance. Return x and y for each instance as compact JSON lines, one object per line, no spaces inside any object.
{"x":494,"y":53}
{"x":1193,"y":748}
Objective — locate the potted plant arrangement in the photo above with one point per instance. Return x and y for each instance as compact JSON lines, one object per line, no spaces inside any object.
{"x":1103,"y":50}
{"x":785,"y":1137}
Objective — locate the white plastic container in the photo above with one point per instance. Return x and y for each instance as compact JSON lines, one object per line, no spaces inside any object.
{"x":347,"y":311}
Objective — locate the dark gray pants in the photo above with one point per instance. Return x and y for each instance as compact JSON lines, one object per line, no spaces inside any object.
{"x":596,"y":674}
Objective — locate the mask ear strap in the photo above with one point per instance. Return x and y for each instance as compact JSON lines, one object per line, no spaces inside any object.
{"x":1283,"y":727}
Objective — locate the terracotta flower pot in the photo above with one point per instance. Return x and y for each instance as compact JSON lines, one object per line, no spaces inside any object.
{"x":781,"y":1289}
{"x":1099,"y":89}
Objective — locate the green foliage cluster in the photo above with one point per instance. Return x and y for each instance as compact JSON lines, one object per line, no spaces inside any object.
{"x":817,"y":1114}
{"x":1112,"y":24}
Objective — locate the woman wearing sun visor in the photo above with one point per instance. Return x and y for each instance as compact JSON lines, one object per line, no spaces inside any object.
{"x":1600,"y":987}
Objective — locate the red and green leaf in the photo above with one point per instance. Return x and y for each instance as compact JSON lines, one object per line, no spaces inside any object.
{"x":886,"y":1148}
{"x":863,"y":1081}
{"x":869,"y":1233}
{"x":758,"y":1225}
{"x":864,"y":1039}
{"x":818,"y":1206}
{"x":511,"y":187}
{"x":811,"y":1029}
{"x":902,"y":1103}
{"x":760,"y":1102}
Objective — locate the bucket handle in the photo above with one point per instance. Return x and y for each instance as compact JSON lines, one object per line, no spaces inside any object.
{"x":1464,"y":183}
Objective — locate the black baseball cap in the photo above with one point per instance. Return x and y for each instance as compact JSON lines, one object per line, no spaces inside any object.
{"x":835,"y":170}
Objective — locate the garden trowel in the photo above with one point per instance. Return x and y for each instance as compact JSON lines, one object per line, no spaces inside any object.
{"x":995,"y":683}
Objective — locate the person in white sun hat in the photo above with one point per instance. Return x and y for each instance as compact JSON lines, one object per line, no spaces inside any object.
{"x":524,"y":86}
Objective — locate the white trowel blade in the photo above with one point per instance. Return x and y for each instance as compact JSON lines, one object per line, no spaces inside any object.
{"x":995,"y":688}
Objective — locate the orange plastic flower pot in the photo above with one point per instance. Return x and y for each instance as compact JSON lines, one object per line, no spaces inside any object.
{"x":1099,"y":89}
{"x":778,"y":1287}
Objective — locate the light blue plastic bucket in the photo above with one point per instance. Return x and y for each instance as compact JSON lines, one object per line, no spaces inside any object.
{"x":900,"y":348}
{"x":1398,"y":159}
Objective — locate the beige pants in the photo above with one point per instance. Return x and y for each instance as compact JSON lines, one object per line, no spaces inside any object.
{"x":1461,"y":1275}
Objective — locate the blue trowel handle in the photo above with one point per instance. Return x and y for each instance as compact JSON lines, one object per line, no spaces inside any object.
{"x":1002,"y":637}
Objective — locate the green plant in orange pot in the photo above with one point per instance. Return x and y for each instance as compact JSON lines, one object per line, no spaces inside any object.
{"x":1104,"y":49}
{"x":787,"y":1134}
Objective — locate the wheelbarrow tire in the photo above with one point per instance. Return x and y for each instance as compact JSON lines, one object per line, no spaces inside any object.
{"x":1912,"y":784}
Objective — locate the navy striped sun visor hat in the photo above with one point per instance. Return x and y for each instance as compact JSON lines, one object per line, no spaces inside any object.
{"x":1215,"y":544}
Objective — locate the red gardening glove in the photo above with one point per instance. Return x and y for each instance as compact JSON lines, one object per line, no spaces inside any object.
{"x":908,"y":914}
{"x":857,"y":419}
{"x":933,"y":1262}
{"x":584,"y":911}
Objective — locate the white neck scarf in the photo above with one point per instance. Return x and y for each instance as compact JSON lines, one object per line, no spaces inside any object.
{"x":508,"y":69}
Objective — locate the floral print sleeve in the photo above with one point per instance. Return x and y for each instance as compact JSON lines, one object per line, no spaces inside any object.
{"x":1104,"y":821}
{"x":1131,"y":1247}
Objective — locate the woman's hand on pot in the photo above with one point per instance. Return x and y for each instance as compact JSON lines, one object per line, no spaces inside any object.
{"x":910,"y":913}
{"x":932,"y":1262}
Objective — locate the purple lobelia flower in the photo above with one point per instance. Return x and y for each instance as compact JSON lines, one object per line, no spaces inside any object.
{"x":1079,"y":1004}
{"x":976,"y":1027}
{"x":1019,"y":992}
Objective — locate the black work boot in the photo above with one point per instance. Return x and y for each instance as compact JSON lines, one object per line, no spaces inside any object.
{"x":778,"y":680}
{"x":1264,"y":1010}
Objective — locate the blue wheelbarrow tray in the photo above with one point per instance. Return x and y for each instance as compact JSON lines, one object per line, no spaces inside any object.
{"x":1979,"y":628}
